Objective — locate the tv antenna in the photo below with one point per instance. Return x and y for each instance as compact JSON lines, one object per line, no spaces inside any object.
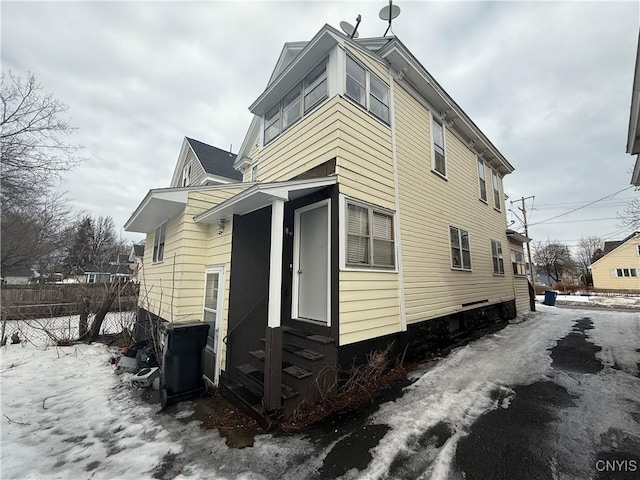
{"x":388,"y":13}
{"x":350,"y":29}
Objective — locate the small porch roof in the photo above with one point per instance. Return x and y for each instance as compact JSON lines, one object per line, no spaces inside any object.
{"x":262,"y":195}
{"x":160,"y":204}
{"x":518,"y":237}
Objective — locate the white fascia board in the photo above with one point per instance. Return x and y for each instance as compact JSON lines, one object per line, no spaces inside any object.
{"x":517,"y":237}
{"x":633,"y":139}
{"x":260,"y":195}
{"x":181,"y":157}
{"x":242,"y":159}
{"x":630,"y":239}
{"x":217,"y":179}
{"x":318,"y":48}
{"x":402,"y":60}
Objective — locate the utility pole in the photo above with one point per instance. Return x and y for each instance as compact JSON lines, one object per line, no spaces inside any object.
{"x":523,"y":209}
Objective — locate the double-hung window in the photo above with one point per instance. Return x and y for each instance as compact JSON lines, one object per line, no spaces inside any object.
{"x":496,"y":255}
{"x":517,"y":262}
{"x":482,"y":181}
{"x":460,"y":251}
{"x":370,"y":237}
{"x":272,"y":124}
{"x":496,"y":191}
{"x":368,"y":90}
{"x":315,"y":87}
{"x":437,"y":134}
{"x":158,"y":242}
{"x":186,"y":175}
{"x":291,"y":112}
{"x":254,"y":173}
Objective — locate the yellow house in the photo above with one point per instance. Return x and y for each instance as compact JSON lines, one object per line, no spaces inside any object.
{"x":371,"y":211}
{"x":619,"y":267}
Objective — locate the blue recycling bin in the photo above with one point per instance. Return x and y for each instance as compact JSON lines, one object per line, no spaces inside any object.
{"x":550,"y":297}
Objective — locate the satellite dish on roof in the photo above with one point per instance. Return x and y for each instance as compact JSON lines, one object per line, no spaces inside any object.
{"x":388,"y":13}
{"x":350,"y":29}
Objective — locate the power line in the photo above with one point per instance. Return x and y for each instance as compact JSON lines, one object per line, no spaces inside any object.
{"x":577,"y":203}
{"x":584,"y":206}
{"x":585,"y":220}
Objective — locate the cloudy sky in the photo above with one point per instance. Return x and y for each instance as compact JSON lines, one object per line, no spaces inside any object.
{"x":548,"y":82}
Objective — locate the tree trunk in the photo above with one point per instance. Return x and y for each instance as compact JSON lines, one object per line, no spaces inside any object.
{"x":83,"y":324}
{"x":112,"y":293}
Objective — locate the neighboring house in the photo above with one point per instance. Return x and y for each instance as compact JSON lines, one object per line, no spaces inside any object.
{"x":120,"y":272}
{"x":619,"y":267}
{"x":17,"y":275}
{"x":633,"y":136}
{"x":519,"y":269}
{"x":136,"y":258}
{"x":371,"y":212}
{"x":90,"y":273}
{"x":202,"y":164}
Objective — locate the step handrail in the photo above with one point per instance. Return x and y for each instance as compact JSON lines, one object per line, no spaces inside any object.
{"x":226,"y":337}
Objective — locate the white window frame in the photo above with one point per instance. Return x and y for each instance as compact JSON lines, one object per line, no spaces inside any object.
{"x":495,"y":184}
{"x":462,"y":267}
{"x":519,"y":267}
{"x":343,"y":235}
{"x":160,"y":232}
{"x":303,"y":90}
{"x":497,"y":254}
{"x":433,"y":147}
{"x":482,"y":180}
{"x":186,"y":175}
{"x":638,"y":249}
{"x":254,"y":172}
{"x":367,"y":90}
{"x":219,"y":269}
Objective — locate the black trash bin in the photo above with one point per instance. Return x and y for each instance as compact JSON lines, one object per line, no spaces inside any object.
{"x":182,"y":374}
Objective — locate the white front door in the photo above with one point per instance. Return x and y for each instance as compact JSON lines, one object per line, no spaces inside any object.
{"x":212,"y":314}
{"x":311,"y":263}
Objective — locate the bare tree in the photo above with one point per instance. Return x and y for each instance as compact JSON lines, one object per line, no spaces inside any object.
{"x":34,"y":156}
{"x":33,"y":232}
{"x":32,"y":131}
{"x":630,"y":216}
{"x":553,"y":258}
{"x":587,"y":248}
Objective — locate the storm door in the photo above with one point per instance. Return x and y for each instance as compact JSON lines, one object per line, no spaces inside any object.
{"x":311,"y":259}
{"x":212,"y":314}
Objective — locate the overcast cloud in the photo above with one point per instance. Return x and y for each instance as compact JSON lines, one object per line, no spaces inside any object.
{"x":549,"y":83}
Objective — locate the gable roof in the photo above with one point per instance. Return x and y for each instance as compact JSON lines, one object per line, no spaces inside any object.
{"x":404,"y":66}
{"x":214,"y":160}
{"x":17,"y":272}
{"x":612,"y":245}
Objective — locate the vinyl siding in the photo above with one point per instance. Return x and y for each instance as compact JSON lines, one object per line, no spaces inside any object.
{"x":428,"y":205}
{"x":197,"y":172}
{"x":521,"y":287}
{"x":309,"y":143}
{"x":369,"y":305}
{"x":365,"y":161}
{"x":374,"y":65}
{"x":625,"y":256}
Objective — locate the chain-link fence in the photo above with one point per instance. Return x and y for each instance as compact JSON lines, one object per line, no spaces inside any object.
{"x":62,"y":329}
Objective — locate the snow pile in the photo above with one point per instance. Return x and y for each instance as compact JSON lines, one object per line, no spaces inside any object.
{"x":624,"y":301}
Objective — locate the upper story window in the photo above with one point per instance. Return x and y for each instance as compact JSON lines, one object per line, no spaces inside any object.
{"x":370,"y":237}
{"x":482,"y":181}
{"x":186,"y":175}
{"x":158,"y":242}
{"x":295,"y":104}
{"x":367,"y":89}
{"x":254,"y":173}
{"x":496,"y":191}
{"x":460,"y":250}
{"x":439,"y":159}
{"x":638,"y":248}
{"x":496,"y":255}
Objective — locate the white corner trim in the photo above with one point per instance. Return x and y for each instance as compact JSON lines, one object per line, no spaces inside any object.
{"x":275,"y":262}
{"x":396,"y":217}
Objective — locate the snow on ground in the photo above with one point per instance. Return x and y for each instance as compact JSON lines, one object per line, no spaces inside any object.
{"x":602,"y":300}
{"x":66,"y":415}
